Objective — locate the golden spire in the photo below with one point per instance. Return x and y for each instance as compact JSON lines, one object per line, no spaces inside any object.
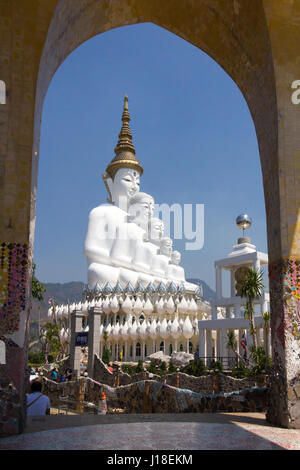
{"x":124,"y":150}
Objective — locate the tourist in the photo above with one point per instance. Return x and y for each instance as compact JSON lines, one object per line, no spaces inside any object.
{"x":37,"y":403}
{"x":68,"y":374}
{"x":54,"y":375}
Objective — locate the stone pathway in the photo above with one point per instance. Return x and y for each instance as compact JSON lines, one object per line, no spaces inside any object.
{"x":154,"y":432}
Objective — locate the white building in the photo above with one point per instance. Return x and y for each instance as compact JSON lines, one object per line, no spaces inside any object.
{"x":213,"y":333}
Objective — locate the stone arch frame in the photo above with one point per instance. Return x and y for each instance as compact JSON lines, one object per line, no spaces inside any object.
{"x":254,"y":43}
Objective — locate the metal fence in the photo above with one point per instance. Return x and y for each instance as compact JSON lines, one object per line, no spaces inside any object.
{"x":227,"y":362}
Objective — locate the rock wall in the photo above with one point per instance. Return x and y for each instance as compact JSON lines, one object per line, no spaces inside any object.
{"x":213,"y":383}
{"x":151,"y":396}
{"x":11,"y":411}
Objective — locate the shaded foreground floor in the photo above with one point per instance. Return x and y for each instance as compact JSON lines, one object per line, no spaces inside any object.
{"x":217,"y":431}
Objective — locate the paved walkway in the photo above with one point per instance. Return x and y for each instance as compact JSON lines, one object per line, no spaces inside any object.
{"x":234,"y":431}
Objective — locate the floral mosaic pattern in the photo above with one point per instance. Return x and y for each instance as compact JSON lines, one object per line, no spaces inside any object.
{"x":13,"y":278}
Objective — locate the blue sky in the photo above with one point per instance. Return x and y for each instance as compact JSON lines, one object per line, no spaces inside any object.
{"x":191,"y":128}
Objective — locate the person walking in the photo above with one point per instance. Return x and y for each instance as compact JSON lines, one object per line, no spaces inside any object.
{"x":37,"y":403}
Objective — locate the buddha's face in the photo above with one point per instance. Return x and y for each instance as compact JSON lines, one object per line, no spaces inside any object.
{"x":175,"y":257}
{"x":142,"y":211}
{"x":166,"y":245}
{"x":125,"y":184}
{"x":156,"y":229}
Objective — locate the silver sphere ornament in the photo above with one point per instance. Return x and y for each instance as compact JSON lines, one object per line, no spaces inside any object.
{"x":243,"y":221}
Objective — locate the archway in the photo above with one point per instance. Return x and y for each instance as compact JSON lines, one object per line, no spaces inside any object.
{"x":250,"y":42}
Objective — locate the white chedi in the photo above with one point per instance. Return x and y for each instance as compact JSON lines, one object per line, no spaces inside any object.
{"x":137,"y":306}
{"x":182,"y":306}
{"x":152,"y":329}
{"x":106,"y":305}
{"x":143,"y":330}
{"x":115,"y":331}
{"x":163,"y":329}
{"x":133,"y":330}
{"x":170,"y":306}
{"x":114,"y":305}
{"x":187,"y":328}
{"x":127,"y":305}
{"x":148,"y":307}
{"x":175,"y":329}
{"x":124,"y":331}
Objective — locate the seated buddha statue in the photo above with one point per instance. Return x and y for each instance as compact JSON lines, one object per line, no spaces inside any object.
{"x":160,"y":262}
{"x":175,"y":272}
{"x":122,"y":180}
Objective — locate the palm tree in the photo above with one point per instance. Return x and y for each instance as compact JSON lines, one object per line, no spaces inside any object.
{"x":252,"y":287}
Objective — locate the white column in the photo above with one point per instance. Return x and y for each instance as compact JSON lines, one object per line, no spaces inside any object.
{"x":201,"y":342}
{"x":208,"y":352}
{"x":237,"y":310}
{"x":232,"y":283}
{"x":143,"y":350}
{"x":258,"y":336}
{"x":263,"y":306}
{"x":256,"y":264}
{"x":153,"y":346}
{"x":214,"y":312}
{"x":249,"y":341}
{"x":126,"y":352}
{"x":218,"y":344}
{"x":219,"y":282}
{"x":224,"y":342}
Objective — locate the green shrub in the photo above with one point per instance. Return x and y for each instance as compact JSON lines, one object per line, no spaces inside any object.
{"x":128,"y":369}
{"x":152,"y":368}
{"x":196,"y":368}
{"x":163,"y":366}
{"x":36,"y":358}
{"x":139,"y":367}
{"x":240,"y":371}
{"x":216,"y":366}
{"x":262,"y":362}
{"x":106,"y":356}
{"x":172,"y":367}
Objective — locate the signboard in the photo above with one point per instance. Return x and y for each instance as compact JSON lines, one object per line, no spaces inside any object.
{"x":2,"y":352}
{"x":81,"y":339}
{"x":238,"y":398}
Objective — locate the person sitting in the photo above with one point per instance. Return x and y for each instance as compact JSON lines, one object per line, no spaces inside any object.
{"x":37,"y":403}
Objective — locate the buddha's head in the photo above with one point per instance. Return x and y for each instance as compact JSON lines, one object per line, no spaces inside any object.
{"x":155,"y":230}
{"x":141,"y":208}
{"x":175,"y":257}
{"x":122,"y":178}
{"x":122,"y":186}
{"x":166,"y":245}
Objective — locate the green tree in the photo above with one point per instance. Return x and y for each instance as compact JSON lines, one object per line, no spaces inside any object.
{"x":106,"y":355}
{"x":51,"y":340}
{"x":252,"y":287}
{"x":139,"y":367}
{"x":37,"y":289}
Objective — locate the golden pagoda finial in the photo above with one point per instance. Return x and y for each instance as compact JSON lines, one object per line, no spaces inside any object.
{"x":124,"y":150}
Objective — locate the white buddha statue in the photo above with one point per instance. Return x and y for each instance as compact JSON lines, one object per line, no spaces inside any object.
{"x":176,"y":272}
{"x":160,"y":262}
{"x":130,"y":249}
{"x":122,"y":180}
